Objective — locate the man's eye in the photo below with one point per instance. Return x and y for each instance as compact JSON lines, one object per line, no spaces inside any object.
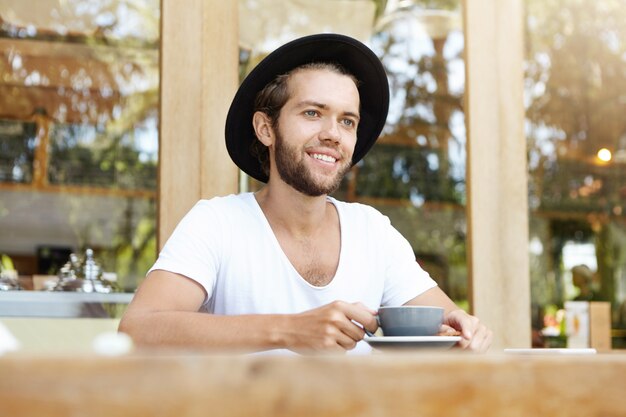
{"x":349,"y":122}
{"x":311,"y":113}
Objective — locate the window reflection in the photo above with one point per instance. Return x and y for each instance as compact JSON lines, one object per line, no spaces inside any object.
{"x":79,"y":85}
{"x":576,"y":135}
{"x":17,"y":151}
{"x":80,"y":155}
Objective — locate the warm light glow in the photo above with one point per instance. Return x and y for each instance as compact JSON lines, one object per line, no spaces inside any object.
{"x":604,"y":155}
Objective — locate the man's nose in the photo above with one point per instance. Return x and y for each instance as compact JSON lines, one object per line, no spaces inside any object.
{"x":330,"y":131}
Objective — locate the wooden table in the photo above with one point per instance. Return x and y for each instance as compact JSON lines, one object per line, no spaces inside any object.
{"x":417,"y":384}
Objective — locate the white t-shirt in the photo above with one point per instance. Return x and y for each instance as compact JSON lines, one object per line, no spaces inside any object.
{"x":227,"y":245}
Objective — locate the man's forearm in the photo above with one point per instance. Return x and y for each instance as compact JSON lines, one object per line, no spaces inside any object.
{"x":434,"y":297}
{"x":193,"y":330}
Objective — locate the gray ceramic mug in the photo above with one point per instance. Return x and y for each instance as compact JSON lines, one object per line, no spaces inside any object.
{"x":410,"y":320}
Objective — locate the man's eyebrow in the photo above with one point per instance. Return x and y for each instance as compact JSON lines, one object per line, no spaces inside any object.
{"x":352,"y":114}
{"x":319,"y":105}
{"x":305,"y":103}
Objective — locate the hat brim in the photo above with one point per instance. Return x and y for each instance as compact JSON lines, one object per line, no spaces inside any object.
{"x":353,"y":55}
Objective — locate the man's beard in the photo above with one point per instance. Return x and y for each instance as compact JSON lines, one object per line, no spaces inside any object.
{"x":293,"y":171}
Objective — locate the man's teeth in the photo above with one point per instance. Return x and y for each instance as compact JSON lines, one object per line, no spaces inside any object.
{"x":325,"y":158}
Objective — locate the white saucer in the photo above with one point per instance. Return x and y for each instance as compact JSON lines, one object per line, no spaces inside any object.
{"x":412,"y":342}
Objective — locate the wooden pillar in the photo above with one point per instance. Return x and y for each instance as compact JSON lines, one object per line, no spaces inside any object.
{"x":497,"y":174}
{"x":199,"y":77}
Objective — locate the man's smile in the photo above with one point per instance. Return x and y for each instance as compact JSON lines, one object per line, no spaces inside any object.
{"x":323,"y":157}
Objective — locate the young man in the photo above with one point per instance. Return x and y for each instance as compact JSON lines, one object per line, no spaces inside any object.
{"x":289,"y":267}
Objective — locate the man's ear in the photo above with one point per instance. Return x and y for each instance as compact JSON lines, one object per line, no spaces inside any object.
{"x":263,"y":128}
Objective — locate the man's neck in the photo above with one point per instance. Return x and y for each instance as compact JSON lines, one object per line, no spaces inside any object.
{"x":290,"y":210}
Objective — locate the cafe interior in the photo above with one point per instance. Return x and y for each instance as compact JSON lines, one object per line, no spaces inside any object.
{"x":502,"y":162}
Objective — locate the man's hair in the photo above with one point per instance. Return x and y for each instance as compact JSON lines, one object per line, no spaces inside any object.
{"x":271,"y":99}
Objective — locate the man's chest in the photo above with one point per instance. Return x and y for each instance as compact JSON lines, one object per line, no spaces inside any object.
{"x":316,"y":260}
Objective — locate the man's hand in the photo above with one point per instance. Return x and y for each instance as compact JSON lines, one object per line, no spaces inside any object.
{"x":475,"y":335}
{"x":332,"y":327}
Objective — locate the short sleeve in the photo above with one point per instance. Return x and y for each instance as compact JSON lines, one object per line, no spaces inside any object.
{"x":195,"y":246}
{"x":404,"y":278}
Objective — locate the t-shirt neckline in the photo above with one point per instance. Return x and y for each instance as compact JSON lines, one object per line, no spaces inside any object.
{"x":279,"y":249}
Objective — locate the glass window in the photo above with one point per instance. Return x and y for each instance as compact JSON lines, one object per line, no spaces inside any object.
{"x":17,"y":151}
{"x":415,"y":174}
{"x":576,"y":134}
{"x":79,"y":90}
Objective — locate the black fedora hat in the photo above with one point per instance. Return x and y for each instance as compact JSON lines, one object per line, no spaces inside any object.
{"x":351,"y":54}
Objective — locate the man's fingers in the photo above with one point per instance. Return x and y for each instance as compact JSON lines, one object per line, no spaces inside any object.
{"x":475,"y":335}
{"x":482,"y":340}
{"x":360,"y":313}
{"x":338,"y":325}
{"x":446,"y":330}
{"x":347,"y":342}
{"x":346,"y":319}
